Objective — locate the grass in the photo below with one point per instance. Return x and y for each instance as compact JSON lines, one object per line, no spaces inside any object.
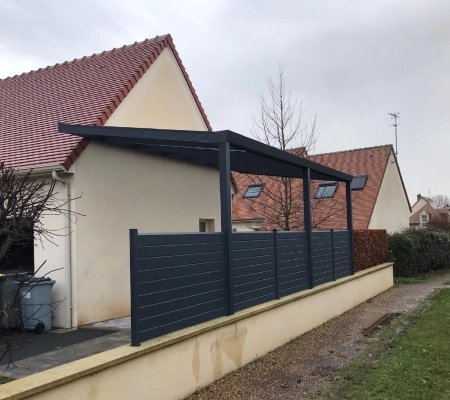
{"x":410,"y":360}
{"x":4,"y":380}
{"x":398,"y":281}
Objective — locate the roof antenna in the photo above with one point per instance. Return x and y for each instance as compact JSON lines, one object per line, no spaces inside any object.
{"x":394,"y":116}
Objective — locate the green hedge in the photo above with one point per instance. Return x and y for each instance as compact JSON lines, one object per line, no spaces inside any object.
{"x":417,"y":251}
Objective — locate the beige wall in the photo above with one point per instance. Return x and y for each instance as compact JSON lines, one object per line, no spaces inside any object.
{"x":199,"y":355}
{"x":391,"y":211}
{"x":123,"y":189}
{"x":161,"y":99}
{"x":418,"y":205}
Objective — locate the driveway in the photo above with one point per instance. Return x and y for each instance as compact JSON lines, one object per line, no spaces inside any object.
{"x":303,"y":368}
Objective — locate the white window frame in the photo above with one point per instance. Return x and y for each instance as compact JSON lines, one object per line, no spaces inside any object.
{"x":424,"y":223}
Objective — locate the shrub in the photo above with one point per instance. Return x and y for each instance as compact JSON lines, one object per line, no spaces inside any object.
{"x":370,"y":248}
{"x":417,"y":251}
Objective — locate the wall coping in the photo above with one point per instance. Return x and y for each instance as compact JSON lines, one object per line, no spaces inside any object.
{"x":62,"y":374}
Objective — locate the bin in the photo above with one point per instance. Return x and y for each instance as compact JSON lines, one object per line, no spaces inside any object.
{"x":36,"y":299}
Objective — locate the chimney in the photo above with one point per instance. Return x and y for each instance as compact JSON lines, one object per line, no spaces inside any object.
{"x":419,"y":196}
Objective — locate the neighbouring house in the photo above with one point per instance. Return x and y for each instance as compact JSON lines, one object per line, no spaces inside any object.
{"x":379,"y":196}
{"x":115,"y":188}
{"x":426,"y":214}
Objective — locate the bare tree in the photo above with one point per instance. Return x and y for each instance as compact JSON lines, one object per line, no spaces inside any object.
{"x":441,"y":201}
{"x":24,"y":202}
{"x":281,"y":123}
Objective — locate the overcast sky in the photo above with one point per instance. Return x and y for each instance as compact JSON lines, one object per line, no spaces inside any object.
{"x":351,"y":62}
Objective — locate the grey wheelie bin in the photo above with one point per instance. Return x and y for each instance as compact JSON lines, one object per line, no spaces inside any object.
{"x":36,"y":299}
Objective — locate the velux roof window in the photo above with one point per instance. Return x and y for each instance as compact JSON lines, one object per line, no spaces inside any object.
{"x":326,"y":190}
{"x":358,"y":182}
{"x":253,"y":190}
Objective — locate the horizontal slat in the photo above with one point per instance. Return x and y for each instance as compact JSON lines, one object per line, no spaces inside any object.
{"x":291,"y":235}
{"x":317,"y":246}
{"x":179,"y":271}
{"x":167,"y":284}
{"x":180,"y":293}
{"x":163,"y":319}
{"x":179,"y":249}
{"x":323,"y":279}
{"x":252,"y":269}
{"x":255,"y":286}
{"x":263,"y":291}
{"x":295,"y":288}
{"x":254,"y":301}
{"x":241,"y":236}
{"x":320,"y":256}
{"x":288,"y":267}
{"x":322,"y":266}
{"x":341,"y":234}
{"x":253,"y":261}
{"x":245,"y":253}
{"x":158,"y":239}
{"x":301,"y":255}
{"x":248,"y":278}
{"x":180,"y":303}
{"x":294,"y":276}
{"x":323,"y":234}
{"x":292,"y":249}
{"x":156,"y":331}
{"x":172,"y":261}
{"x":252,"y":244}
{"x":341,"y":258}
{"x":341,"y":247}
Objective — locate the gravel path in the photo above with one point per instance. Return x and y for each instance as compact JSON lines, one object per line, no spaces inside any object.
{"x":304,"y":367}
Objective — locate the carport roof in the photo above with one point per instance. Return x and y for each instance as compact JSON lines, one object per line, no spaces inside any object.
{"x":246,"y":155}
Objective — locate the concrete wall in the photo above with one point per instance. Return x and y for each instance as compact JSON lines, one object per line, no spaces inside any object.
{"x":199,"y":355}
{"x":123,"y":189}
{"x":391,"y":211}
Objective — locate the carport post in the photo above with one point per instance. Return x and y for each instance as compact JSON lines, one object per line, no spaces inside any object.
{"x":134,"y":289}
{"x":348,"y":191}
{"x":225,"y":212}
{"x":307,"y":220}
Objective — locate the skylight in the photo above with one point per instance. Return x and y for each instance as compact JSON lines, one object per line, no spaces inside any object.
{"x":253,"y":190}
{"x":358,"y":182}
{"x":326,"y":190}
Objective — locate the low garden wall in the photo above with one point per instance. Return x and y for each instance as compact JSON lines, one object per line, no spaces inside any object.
{"x":175,"y":365}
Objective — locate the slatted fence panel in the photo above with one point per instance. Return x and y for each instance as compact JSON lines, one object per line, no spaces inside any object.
{"x":254,"y":268}
{"x":322,"y":257}
{"x":180,"y":281}
{"x":342,"y":262}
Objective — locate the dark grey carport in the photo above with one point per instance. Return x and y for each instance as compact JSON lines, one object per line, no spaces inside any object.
{"x":226,"y":150}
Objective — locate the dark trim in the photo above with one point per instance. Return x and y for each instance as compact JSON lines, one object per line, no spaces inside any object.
{"x":277,"y":272}
{"x":348,"y":191}
{"x":134,"y":281}
{"x":332,"y":253}
{"x":226,"y":224}
{"x":308,"y":220}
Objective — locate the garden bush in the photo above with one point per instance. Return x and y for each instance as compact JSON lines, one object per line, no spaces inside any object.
{"x":418,"y":251}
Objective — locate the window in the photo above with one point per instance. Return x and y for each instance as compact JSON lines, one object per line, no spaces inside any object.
{"x":424,"y":221}
{"x":326,"y":190}
{"x":253,"y":190}
{"x":358,"y":182}
{"x":206,"y":225}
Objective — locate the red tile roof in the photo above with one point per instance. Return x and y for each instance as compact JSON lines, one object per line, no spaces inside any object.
{"x":371,"y":161}
{"x":84,"y":91}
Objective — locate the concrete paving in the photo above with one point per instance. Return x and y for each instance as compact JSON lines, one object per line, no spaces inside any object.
{"x":120,"y":335}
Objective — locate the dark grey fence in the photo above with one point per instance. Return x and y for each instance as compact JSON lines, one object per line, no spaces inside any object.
{"x":180,"y":280}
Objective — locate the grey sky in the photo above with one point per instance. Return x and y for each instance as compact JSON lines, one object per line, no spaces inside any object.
{"x":351,"y":61}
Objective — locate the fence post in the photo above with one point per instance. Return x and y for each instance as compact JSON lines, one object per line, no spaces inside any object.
{"x":275,"y":241}
{"x":229,"y":270}
{"x":332,"y":253}
{"x":308,"y":220}
{"x":348,"y":193}
{"x":134,"y":288}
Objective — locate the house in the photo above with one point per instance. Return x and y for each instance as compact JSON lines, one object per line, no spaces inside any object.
{"x":379,"y":196}
{"x":425,"y":213}
{"x":113,"y":188}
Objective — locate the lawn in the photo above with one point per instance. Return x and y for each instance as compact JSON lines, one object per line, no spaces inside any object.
{"x":410,"y":361}
{"x":4,"y":380}
{"x":419,"y":279}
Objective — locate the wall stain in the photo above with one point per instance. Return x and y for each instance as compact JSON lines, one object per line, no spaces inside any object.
{"x":229,"y":343}
{"x":196,"y":361}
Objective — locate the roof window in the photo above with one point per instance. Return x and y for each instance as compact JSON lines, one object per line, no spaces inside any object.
{"x":253,"y":190}
{"x":358,"y":182}
{"x":326,"y":190}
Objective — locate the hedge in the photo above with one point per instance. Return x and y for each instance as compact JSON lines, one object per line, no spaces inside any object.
{"x":417,"y":251}
{"x":370,"y":248}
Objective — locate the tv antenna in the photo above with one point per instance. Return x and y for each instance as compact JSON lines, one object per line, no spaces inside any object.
{"x":394,"y":116}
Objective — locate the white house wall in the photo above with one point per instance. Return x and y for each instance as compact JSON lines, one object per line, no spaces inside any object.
{"x":391,"y":211}
{"x":123,"y":189}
